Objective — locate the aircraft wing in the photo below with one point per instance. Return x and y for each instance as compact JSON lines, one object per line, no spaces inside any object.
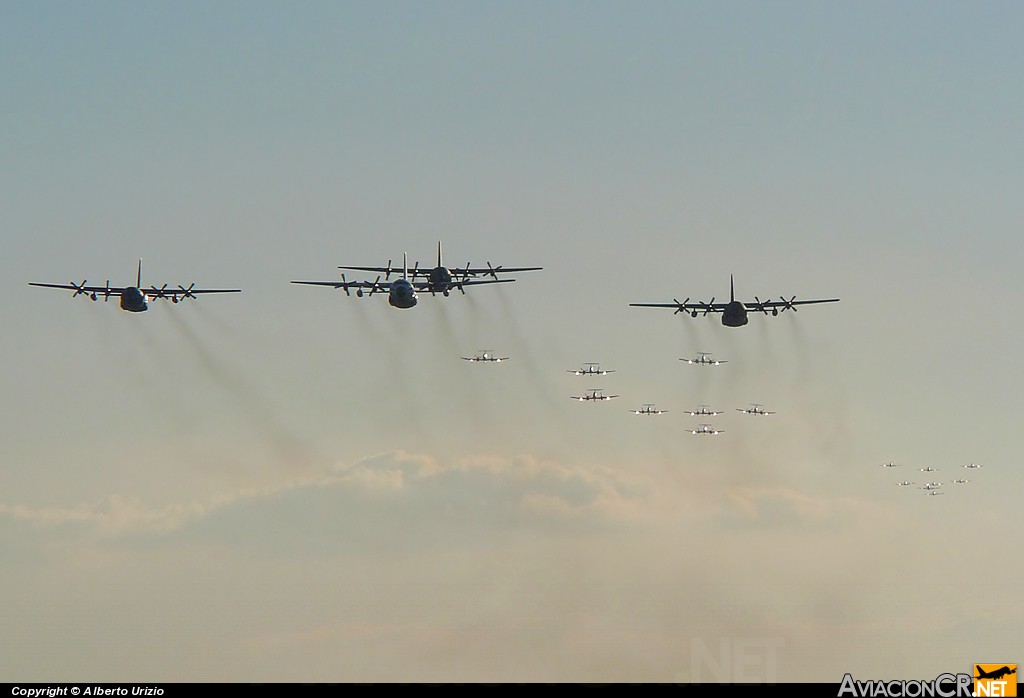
{"x":685,"y":307}
{"x":114,"y":290}
{"x":371,"y":286}
{"x":425,"y":286}
{"x":457,"y":272}
{"x":489,"y":270}
{"x":184,"y":292}
{"x":783,"y":304}
{"x":413,"y":272}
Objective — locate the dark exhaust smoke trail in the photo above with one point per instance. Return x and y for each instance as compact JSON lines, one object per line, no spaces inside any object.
{"x":288,"y":447}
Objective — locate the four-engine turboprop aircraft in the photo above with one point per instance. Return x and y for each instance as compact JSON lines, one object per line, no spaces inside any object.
{"x":401,"y":292}
{"x":441,"y":279}
{"x":707,"y":429}
{"x":734,"y":313}
{"x":135,"y":299}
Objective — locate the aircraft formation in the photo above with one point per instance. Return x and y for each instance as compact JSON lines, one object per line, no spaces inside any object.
{"x":403,"y":292}
{"x":648,"y":409}
{"x":931,"y":486}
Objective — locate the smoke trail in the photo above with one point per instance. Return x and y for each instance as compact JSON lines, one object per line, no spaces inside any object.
{"x":251,"y":404}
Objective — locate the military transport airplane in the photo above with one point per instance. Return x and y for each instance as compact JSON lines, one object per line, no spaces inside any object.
{"x":704,"y":359}
{"x":931,"y":485}
{"x":960,"y":481}
{"x":905,"y":483}
{"x":648,"y":408}
{"x":590,"y":370}
{"x":755,"y":408}
{"x":401,"y":292}
{"x":734,"y":313}
{"x":485,"y":355}
{"x":928,"y":469}
{"x":135,"y":299}
{"x":593,"y":394}
{"x":703,"y":411}
{"x":891,"y":465}
{"x":972,"y":466}
{"x":707,"y":429}
{"x":441,"y":279}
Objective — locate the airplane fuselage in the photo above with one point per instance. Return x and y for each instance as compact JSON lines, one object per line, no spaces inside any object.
{"x":440,"y":280}
{"x":133,"y":300}
{"x":402,"y":294}
{"x":735,"y":314}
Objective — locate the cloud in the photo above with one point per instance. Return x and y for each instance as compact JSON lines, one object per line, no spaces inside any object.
{"x":390,"y":501}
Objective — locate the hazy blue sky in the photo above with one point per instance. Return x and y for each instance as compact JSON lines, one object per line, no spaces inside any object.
{"x":291,"y":485}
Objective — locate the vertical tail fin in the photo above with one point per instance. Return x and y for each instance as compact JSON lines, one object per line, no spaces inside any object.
{"x":732,"y":293}
{"x":438,"y":253}
{"x":138,"y":278}
{"x":405,"y":266}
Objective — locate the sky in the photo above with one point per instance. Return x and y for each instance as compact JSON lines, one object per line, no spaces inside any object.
{"x":289,"y":484}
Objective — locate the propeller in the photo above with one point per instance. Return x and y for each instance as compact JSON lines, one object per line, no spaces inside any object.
{"x":186,"y":292}
{"x":493,"y":271}
{"x":160,"y":292}
{"x":387,"y":275}
{"x":106,"y":294}
{"x":760,"y":305}
{"x":79,"y":288}
{"x":376,"y":285}
{"x":682,"y":306}
{"x":708,"y":307}
{"x":344,"y":286}
{"x":788,"y":305}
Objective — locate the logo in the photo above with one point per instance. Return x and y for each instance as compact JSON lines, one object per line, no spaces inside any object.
{"x":995,"y":680}
{"x":943,"y":686}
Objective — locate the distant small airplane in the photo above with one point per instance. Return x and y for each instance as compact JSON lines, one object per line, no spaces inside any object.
{"x":590,"y":369}
{"x":703,"y":411}
{"x":905,"y":483}
{"x":648,"y":408}
{"x":704,"y":359}
{"x":135,"y":299}
{"x":960,"y":481}
{"x":755,"y":408}
{"x":934,"y":494}
{"x":707,"y":429}
{"x":931,"y":485}
{"x":972,"y":466}
{"x":891,"y":465}
{"x":443,"y":280}
{"x":929,"y":469}
{"x":593,"y":394}
{"x":485,"y":355}
{"x":734,"y":313}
